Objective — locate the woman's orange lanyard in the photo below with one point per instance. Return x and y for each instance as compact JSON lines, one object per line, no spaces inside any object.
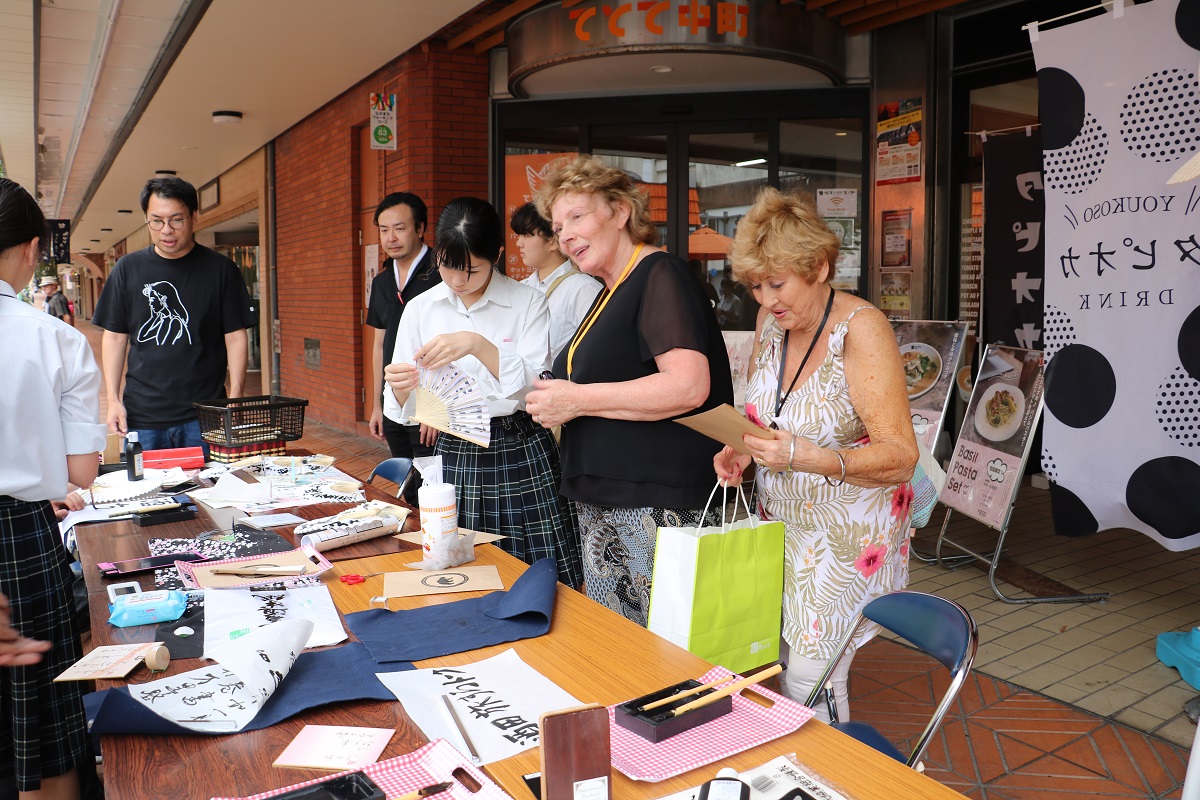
{"x":592,"y":317}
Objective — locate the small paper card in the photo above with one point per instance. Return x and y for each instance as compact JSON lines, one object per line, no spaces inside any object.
{"x":445,"y":581}
{"x":107,"y":663}
{"x":480,"y":536}
{"x":335,"y":747}
{"x":727,"y":426}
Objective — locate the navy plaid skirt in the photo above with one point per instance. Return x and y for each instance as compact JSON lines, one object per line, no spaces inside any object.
{"x":511,"y":489}
{"x":45,"y":720}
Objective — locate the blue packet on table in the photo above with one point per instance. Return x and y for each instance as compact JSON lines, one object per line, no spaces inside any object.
{"x":145,"y":608}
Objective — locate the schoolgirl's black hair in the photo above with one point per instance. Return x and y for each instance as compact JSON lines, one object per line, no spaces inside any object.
{"x":467,"y":227}
{"x":21,"y":219}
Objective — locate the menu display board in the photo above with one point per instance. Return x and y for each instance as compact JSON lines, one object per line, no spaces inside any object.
{"x":930,"y":351}
{"x":989,"y":457}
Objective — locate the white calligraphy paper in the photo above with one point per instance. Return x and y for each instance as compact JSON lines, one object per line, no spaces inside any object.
{"x":231,"y":614}
{"x":498,"y":700}
{"x":227,"y":695}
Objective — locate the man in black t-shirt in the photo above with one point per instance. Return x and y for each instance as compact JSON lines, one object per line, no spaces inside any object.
{"x":407,"y":272}
{"x":180,"y":311}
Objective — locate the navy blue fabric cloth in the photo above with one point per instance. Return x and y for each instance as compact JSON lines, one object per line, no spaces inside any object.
{"x":324,"y":676}
{"x":523,"y":612}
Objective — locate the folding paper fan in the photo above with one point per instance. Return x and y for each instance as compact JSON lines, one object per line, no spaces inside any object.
{"x":452,"y":401}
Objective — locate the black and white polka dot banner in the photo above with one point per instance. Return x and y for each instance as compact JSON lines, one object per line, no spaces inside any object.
{"x":1120,"y":113}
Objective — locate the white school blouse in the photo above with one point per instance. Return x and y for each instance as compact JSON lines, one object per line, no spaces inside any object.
{"x":49,"y":400}
{"x":569,"y":303}
{"x":510,"y":315}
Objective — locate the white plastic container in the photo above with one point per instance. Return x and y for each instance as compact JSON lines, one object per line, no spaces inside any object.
{"x":439,"y":513}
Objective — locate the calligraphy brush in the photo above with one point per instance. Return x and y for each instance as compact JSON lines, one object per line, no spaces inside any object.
{"x":426,"y":791}
{"x":687,"y":693}
{"x":732,"y":688}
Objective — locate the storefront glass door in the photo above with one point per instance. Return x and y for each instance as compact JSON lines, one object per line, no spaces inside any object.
{"x":703,"y":159}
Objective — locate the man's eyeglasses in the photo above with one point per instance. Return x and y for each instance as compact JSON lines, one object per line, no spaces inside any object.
{"x":176,"y":223}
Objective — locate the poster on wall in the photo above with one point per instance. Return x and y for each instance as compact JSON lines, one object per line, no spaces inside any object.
{"x":370,"y":270}
{"x":383,"y":121}
{"x":930,"y":351}
{"x":898,"y":142}
{"x":846,"y":272}
{"x":1121,"y":446}
{"x":895,"y":293}
{"x":997,"y":431}
{"x":523,"y":176}
{"x":1014,"y":262}
{"x":897,"y":238}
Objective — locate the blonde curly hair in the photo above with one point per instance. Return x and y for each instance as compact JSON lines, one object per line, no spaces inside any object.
{"x":587,"y":174}
{"x":782,"y":233}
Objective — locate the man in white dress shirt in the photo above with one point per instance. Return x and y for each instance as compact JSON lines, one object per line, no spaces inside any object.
{"x":569,"y":292}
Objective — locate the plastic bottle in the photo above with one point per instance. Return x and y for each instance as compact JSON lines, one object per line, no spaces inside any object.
{"x":133,"y":457}
{"x":726,"y":786}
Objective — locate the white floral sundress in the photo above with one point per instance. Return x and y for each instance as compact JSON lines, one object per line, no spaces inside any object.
{"x":845,"y":545}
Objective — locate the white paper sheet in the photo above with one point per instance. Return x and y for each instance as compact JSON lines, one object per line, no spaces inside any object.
{"x":227,"y":695}
{"x":498,"y":700}
{"x":231,"y":614}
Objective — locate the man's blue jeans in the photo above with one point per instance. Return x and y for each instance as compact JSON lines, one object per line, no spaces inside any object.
{"x":185,"y":435}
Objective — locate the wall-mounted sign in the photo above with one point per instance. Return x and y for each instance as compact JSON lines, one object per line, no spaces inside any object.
{"x":837,"y":202}
{"x":383,"y":121}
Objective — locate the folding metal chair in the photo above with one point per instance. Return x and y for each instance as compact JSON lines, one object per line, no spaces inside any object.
{"x":940,"y":628}
{"x":397,"y":470}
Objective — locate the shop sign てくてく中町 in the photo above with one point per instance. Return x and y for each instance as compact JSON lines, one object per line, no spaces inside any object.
{"x":660,"y":18}
{"x":556,"y":34}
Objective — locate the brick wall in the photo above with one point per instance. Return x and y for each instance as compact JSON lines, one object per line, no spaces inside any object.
{"x":442,"y":116}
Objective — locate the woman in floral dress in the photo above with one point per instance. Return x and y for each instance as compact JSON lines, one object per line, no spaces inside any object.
{"x":827,"y":374}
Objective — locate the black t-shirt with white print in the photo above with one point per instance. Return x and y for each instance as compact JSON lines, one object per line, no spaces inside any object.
{"x":176,"y":313}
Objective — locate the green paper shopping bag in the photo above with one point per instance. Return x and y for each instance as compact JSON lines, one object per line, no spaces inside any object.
{"x":718,"y":590}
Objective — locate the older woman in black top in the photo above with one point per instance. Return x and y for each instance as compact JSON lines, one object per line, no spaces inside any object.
{"x":648,"y":351}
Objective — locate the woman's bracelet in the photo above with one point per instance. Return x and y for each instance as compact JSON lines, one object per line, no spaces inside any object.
{"x":791,"y":455}
{"x":842,"y":461}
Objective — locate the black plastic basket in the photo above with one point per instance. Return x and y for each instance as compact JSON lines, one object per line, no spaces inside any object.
{"x":247,"y":420}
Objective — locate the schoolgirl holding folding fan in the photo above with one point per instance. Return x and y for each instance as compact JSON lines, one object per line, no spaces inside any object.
{"x":497,"y":331}
{"x":49,"y":433}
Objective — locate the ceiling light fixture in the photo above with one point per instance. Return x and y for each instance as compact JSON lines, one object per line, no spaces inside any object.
{"x":662,"y":69}
{"x":124,"y":211}
{"x":165,"y":173}
{"x":751,"y":162}
{"x":95,"y":241}
{"x":227,"y":117}
{"x":841,"y":133}
{"x":106,"y":230}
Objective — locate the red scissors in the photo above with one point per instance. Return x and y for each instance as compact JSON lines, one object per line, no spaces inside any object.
{"x":354,"y":580}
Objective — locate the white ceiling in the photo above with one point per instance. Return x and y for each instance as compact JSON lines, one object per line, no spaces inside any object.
{"x":276,"y":61}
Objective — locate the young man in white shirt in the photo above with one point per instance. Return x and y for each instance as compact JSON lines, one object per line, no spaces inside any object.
{"x":569,"y":292}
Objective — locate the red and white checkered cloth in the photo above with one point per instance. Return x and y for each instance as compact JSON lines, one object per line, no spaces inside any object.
{"x":432,"y":764}
{"x":748,"y":725}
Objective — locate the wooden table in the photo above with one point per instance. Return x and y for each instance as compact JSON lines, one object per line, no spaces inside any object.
{"x":591,"y":652}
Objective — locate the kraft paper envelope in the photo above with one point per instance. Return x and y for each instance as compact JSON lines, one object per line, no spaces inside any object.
{"x":445,"y":581}
{"x":727,"y":426}
{"x":480,"y":537}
